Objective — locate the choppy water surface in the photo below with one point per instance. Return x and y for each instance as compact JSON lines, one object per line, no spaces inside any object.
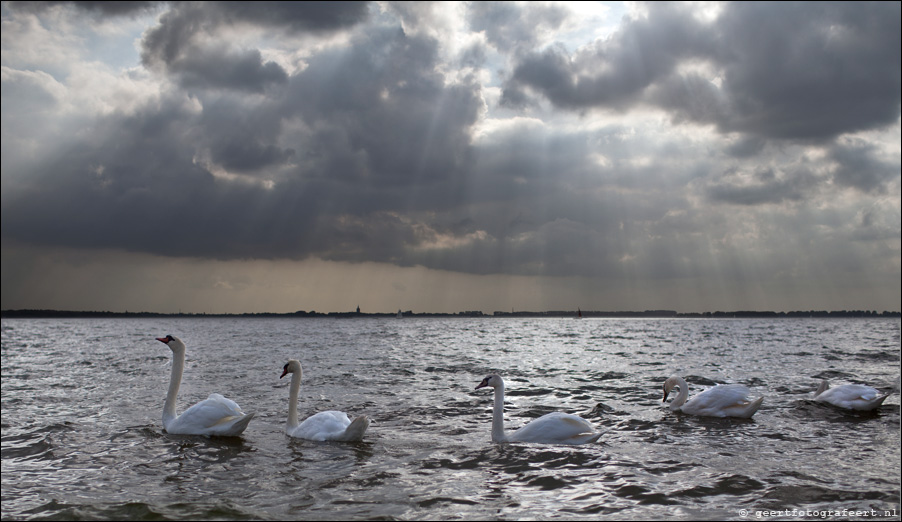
{"x":82,"y":437}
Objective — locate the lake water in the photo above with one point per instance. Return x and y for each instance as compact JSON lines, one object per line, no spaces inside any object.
{"x":82,"y":436}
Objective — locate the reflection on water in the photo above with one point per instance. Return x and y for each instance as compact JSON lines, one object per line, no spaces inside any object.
{"x":82,"y":438}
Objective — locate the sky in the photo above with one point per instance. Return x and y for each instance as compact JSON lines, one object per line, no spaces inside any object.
{"x":231,"y":157}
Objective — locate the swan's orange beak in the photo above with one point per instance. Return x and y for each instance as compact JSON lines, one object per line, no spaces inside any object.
{"x":483,"y":384}
{"x":163,"y":340}
{"x":284,"y":373}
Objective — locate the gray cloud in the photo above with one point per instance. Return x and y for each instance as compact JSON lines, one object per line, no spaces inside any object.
{"x":382,"y":114}
{"x":177,"y":45}
{"x":294,"y":16}
{"x":810,"y":71}
{"x":378,"y":150}
{"x":383,"y":134}
{"x":859,"y":167}
{"x":111,"y":8}
{"x":762,"y":186}
{"x":788,"y":71}
{"x":218,"y":68}
{"x":616,"y":71}
{"x":514,"y":28}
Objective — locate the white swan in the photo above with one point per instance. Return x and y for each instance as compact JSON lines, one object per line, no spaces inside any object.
{"x":214,"y":415}
{"x":551,"y":428}
{"x":723,"y":400}
{"x":850,"y":396}
{"x":325,"y":425}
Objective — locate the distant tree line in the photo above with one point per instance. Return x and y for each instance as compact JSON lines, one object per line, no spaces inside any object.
{"x":470,"y":313}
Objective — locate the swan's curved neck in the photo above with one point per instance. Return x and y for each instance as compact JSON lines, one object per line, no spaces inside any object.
{"x":175,"y":380}
{"x":498,"y":416}
{"x":294,"y":390}
{"x":681,"y":397}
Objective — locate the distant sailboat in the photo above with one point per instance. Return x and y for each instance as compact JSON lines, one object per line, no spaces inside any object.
{"x":579,"y":313}
{"x":400,"y":315}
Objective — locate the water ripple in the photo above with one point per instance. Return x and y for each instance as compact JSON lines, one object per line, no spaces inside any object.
{"x":85,"y":441}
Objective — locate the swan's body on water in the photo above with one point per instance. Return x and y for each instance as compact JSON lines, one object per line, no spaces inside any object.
{"x":214,"y":415}
{"x":723,"y":400}
{"x":325,"y":425}
{"x":552,"y":428}
{"x":850,"y":396}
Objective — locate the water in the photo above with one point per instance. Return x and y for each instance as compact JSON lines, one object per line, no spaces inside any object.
{"x":82,"y":438}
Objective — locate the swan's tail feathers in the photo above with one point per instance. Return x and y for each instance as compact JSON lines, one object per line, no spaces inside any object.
{"x":879,"y":400}
{"x":822,"y":387}
{"x":579,"y":438}
{"x":241,"y":424}
{"x":354,"y":432}
{"x":594,"y":438}
{"x":752,"y":408}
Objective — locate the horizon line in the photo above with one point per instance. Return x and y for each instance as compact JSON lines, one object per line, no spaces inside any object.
{"x":661,"y":313}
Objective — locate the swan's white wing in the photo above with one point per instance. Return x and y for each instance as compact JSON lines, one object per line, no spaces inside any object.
{"x":325,"y":425}
{"x":214,"y":415}
{"x":556,"y":428}
{"x":724,"y":400}
{"x":853,"y":397}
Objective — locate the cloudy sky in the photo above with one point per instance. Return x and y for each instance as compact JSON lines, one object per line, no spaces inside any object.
{"x":438,"y":157}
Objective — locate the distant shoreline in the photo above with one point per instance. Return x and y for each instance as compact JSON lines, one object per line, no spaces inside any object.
{"x":652,"y":314}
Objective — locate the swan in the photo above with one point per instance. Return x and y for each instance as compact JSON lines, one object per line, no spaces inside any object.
{"x":325,"y":425}
{"x":850,"y":396}
{"x":723,"y":400}
{"x":214,"y":415}
{"x":551,"y":428}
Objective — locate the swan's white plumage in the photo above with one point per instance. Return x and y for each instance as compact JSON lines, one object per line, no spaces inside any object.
{"x":325,"y":425}
{"x":723,"y":400}
{"x":551,"y":428}
{"x":214,"y":415}
{"x":850,"y":396}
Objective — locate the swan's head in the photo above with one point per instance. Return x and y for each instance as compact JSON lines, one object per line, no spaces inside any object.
{"x":173,"y":342}
{"x":669,"y":385}
{"x":493,"y":380}
{"x":291,"y":366}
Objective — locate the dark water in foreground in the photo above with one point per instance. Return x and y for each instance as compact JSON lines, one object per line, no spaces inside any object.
{"x":82,"y":438}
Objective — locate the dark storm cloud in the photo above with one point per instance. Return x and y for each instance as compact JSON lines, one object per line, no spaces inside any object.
{"x":241,"y":70}
{"x":181,"y":44}
{"x":134,"y":184}
{"x":99,"y":7}
{"x":748,"y":146}
{"x":386,"y":114}
{"x":616,"y":71}
{"x":294,"y":16}
{"x":788,"y":71}
{"x":810,"y":71}
{"x":380,"y":133}
{"x":764,"y":185}
{"x":241,"y":136}
{"x":369,"y":151}
{"x":858,"y":166}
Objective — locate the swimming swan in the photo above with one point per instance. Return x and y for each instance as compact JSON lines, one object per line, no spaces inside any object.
{"x":850,"y":396}
{"x":325,"y":425}
{"x":723,"y":400}
{"x":214,"y":415}
{"x":552,"y":428}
